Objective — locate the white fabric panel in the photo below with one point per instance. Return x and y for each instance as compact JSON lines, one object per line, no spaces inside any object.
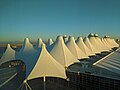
{"x":114,"y":43}
{"x":61,"y":53}
{"x":95,"y":44}
{"x":8,"y":55}
{"x":100,"y":44}
{"x":28,"y":55}
{"x":50,"y":42}
{"x":108,"y":41}
{"x":89,"y":45}
{"x":47,"y":66}
{"x":106,"y":44}
{"x":75,"y":50}
{"x":83,"y":47}
{"x":39,"y":43}
{"x":27,"y":46}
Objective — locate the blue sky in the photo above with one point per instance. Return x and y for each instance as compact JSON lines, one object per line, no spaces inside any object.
{"x":49,"y":18}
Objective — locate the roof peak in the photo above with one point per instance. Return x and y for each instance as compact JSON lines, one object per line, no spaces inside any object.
{"x":71,"y":38}
{"x":43,"y":45}
{"x":59,"y":38}
{"x":26,"y":40}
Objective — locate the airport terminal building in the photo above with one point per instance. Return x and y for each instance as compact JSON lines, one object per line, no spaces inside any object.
{"x":101,"y":75}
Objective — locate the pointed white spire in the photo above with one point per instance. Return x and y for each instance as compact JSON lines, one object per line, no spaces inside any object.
{"x":108,"y":47}
{"x":27,"y":46}
{"x":50,"y":42}
{"x":83,"y":47}
{"x":8,"y":55}
{"x":39,"y":43}
{"x":75,"y":50}
{"x":111,"y":41}
{"x":108,"y":44}
{"x":100,"y":44}
{"x":89,"y":45}
{"x":47,"y":66}
{"x":107,"y":40}
{"x":28,"y":55}
{"x":61,"y":53}
{"x":94,"y":42}
{"x":114,"y":43}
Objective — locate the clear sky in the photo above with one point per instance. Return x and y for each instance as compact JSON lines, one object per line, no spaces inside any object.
{"x":49,"y":18}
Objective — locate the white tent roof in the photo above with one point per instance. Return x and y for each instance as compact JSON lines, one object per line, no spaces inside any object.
{"x":111,"y":41}
{"x":61,"y":53}
{"x":83,"y":47}
{"x":114,"y":43}
{"x":50,"y":42}
{"x":106,"y":44}
{"x":39,"y":43}
{"x":109,"y":44}
{"x":94,"y":43}
{"x":75,"y":50}
{"x":28,"y":55}
{"x":111,"y":62}
{"x":108,"y":40}
{"x":100,"y":44}
{"x":89,"y":45}
{"x":47,"y":66}
{"x":8,"y":55}
{"x":27,"y":46}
